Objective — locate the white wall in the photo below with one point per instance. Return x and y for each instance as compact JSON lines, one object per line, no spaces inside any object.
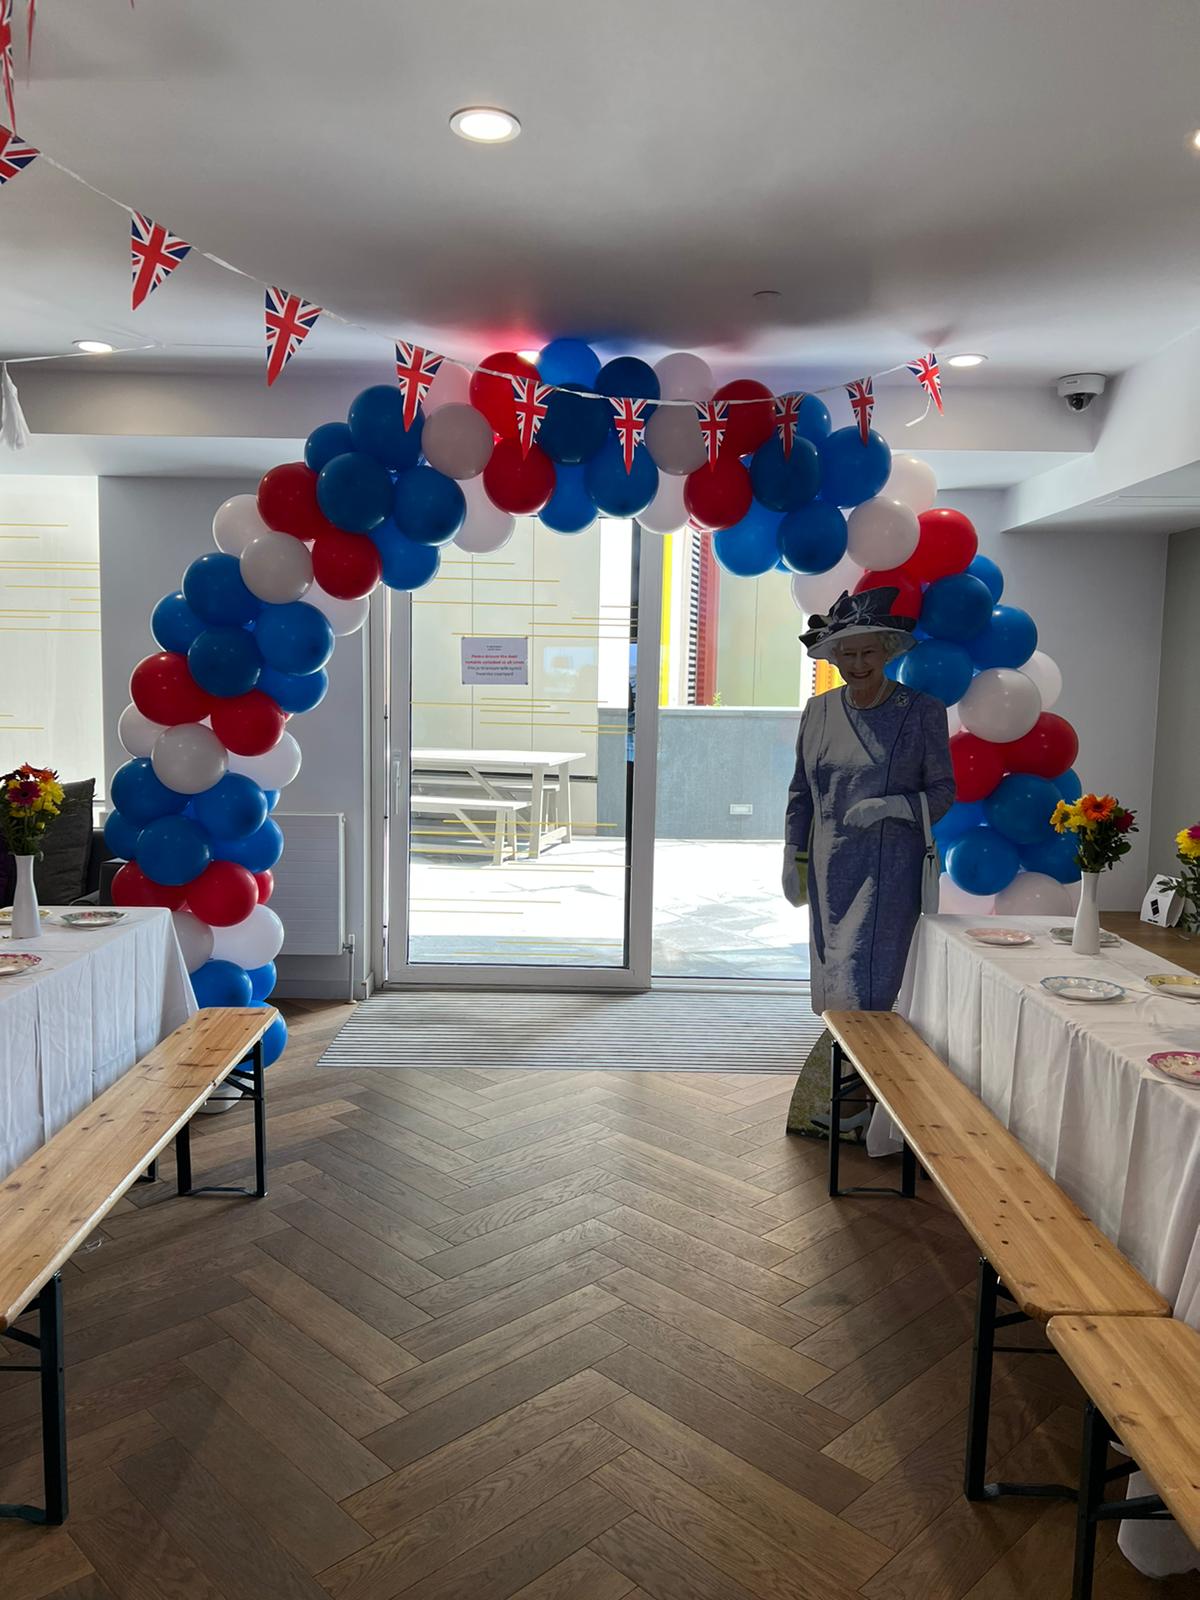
{"x":1177,"y":753}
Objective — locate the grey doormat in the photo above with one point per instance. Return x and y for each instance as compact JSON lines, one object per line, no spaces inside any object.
{"x":666,"y":1030}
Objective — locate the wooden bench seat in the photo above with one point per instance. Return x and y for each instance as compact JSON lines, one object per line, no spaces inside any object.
{"x":464,"y":807}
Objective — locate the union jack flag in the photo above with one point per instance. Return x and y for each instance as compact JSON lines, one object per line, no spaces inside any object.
{"x":714,"y":416}
{"x":15,"y":154}
{"x":630,"y":423}
{"x":416,"y":368}
{"x":290,"y":320}
{"x":530,"y":403}
{"x":787,"y":420}
{"x":928,"y":373}
{"x":862,"y":403}
{"x":6,"y":55}
{"x":154,"y":254}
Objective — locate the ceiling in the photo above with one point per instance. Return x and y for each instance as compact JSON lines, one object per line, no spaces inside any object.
{"x":1012,"y":178}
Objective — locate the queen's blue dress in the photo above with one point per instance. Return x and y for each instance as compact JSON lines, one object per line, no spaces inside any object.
{"x":864,"y":883}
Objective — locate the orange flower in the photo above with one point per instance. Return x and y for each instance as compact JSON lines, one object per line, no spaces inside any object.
{"x":1097,"y":808}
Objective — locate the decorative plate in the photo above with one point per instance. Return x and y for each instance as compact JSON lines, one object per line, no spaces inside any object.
{"x":1181,"y":1064}
{"x":1176,"y":984}
{"x":7,"y":911}
{"x":90,"y":919}
{"x":1063,"y":936}
{"x":13,"y":966}
{"x":1004,"y":936}
{"x":1094,"y":989}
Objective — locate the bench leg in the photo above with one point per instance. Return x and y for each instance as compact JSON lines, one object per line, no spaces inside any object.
{"x":838,"y":1084}
{"x":151,"y":1173}
{"x":979,"y":1403}
{"x":183,"y":1159}
{"x":49,"y":1345}
{"x":183,"y":1141}
{"x":1096,"y":1435}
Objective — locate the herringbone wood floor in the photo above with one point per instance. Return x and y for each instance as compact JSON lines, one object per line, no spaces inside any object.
{"x":531,"y":1335}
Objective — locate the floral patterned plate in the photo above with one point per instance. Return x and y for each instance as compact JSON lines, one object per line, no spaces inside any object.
{"x":1178,"y":985}
{"x":1005,"y":936}
{"x":7,"y":911}
{"x":13,"y":966}
{"x":1181,"y":1064}
{"x":1094,"y":989}
{"x":1064,"y":935}
{"x":90,"y":919}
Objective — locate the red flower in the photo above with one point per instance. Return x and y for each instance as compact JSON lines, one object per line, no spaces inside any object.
{"x":1123,"y":821}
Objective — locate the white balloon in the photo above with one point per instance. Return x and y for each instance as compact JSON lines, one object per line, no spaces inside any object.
{"x":275,"y":769}
{"x":277,"y":568}
{"x":195,"y":939}
{"x":189,"y":758}
{"x":1046,"y":675}
{"x":344,"y":616}
{"x":457,"y":440}
{"x":817,"y":591}
{"x":252,"y":942}
{"x":451,"y":387}
{"x":666,"y":513}
{"x":683,"y":376}
{"x":956,"y":902}
{"x":953,"y":721}
{"x":882,"y":533}
{"x":136,"y":732}
{"x":1000,"y":705}
{"x":674,"y":440}
{"x":236,"y":523}
{"x":486,"y":527}
{"x":912,"y":481}
{"x":1033,"y":894}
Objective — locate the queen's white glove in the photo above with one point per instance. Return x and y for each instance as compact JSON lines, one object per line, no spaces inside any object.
{"x":867,"y":813}
{"x":795,"y":876}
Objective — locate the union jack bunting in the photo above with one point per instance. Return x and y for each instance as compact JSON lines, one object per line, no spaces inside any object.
{"x":862,"y":403}
{"x":927,"y":372}
{"x":787,"y":420}
{"x":630,"y":423}
{"x":154,"y":255}
{"x":6,"y":55}
{"x":530,"y":403}
{"x":15,"y":154}
{"x":714,"y":416}
{"x":416,"y":369}
{"x":289,"y":322}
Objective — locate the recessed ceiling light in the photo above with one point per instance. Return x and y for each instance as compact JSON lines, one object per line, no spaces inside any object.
{"x":93,"y":347}
{"x":966,"y":361}
{"x":485,"y":125}
{"x":765,"y":294}
{"x":1194,"y":140}
{"x":529,"y":355}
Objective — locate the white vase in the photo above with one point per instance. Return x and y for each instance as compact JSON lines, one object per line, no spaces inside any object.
{"x":26,"y":919}
{"x":1085,"y":938}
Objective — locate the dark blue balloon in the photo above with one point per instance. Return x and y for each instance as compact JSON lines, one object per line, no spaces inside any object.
{"x":574,"y":426}
{"x":568,"y":361}
{"x":355,"y":491}
{"x":272,"y":798}
{"x":628,"y":376}
{"x":294,"y":638}
{"x":139,"y":794}
{"x":785,"y":482}
{"x":963,"y":814}
{"x":377,"y":427}
{"x":616,"y":492}
{"x":1020,"y":805}
{"x":323,"y":443}
{"x":274,"y":1041}
{"x":956,"y":607}
{"x":813,"y":537}
{"x":1054,"y":854}
{"x":225,"y":661}
{"x":852,"y":471}
{"x":258,"y":852}
{"x":406,"y":564}
{"x":121,"y":835}
{"x":1008,"y":640}
{"x":213,"y":588}
{"x":262,"y":980}
{"x":984,"y":567}
{"x":750,"y":547}
{"x":982,"y":861}
{"x":294,"y":691}
{"x":570,"y":509}
{"x":891,"y":669}
{"x":173,"y":850}
{"x":1069,"y":786}
{"x":813,"y":421}
{"x":939,"y":668}
{"x":428,"y":506}
{"x":174,"y":624}
{"x":232,"y":808}
{"x":221,"y":983}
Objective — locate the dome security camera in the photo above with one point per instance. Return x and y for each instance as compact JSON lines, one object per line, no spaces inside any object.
{"x":1079,"y":389}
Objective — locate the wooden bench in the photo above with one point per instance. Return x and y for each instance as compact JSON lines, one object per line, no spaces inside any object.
{"x":57,"y":1199}
{"x":1142,"y":1378}
{"x":464,"y":807}
{"x":1037,"y":1249}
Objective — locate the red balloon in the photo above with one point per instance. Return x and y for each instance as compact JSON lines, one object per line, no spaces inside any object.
{"x":346,"y":565}
{"x":494,"y":396}
{"x":266,"y":886}
{"x":223,"y":894}
{"x":978,"y":765}
{"x":720,"y":495}
{"x":248,"y":724}
{"x":163,"y":689}
{"x":948,"y":544}
{"x":131,"y":887}
{"x":746,"y":427}
{"x":287,"y":501}
{"x":908,"y":598}
{"x":1047,"y":750}
{"x":518,"y":484}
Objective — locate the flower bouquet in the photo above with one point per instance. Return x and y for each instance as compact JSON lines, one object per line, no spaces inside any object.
{"x":30,"y":799}
{"x":1187,"y":850}
{"x":1101,"y":826}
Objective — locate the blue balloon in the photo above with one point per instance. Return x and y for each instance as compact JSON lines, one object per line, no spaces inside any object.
{"x":963,"y":814}
{"x":785,"y":482}
{"x":272,"y":798}
{"x":813,"y":538}
{"x":121,"y":835}
{"x":629,"y":377}
{"x":174,"y":624}
{"x":294,"y":691}
{"x":984,"y":567}
{"x":262,"y":980}
{"x":750,"y":547}
{"x":173,"y":850}
{"x":616,"y":492}
{"x":274,"y":1041}
{"x":852,"y":471}
{"x":813,"y":421}
{"x":939,"y":668}
{"x":574,"y":427}
{"x":568,"y":361}
{"x":294,"y":638}
{"x":377,"y":427}
{"x":891,"y":669}
{"x":139,"y":794}
{"x":1008,"y":640}
{"x":1069,"y":786}
{"x":258,"y":852}
{"x":1054,"y":855}
{"x":355,"y":491}
{"x":982,"y":861}
{"x":956,"y":607}
{"x":1020,"y":805}
{"x":323,"y":443}
{"x":221,"y":983}
{"x":428,"y":506}
{"x":406,"y":564}
{"x":213,"y":588}
{"x":225,"y":661}
{"x":232,"y":808}
{"x":570,"y":509}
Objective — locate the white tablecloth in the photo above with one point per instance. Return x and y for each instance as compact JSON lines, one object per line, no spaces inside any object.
{"x":97,"y":1002}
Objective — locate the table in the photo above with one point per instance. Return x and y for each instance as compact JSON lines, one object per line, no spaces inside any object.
{"x":488,"y":768}
{"x":99,"y":1000}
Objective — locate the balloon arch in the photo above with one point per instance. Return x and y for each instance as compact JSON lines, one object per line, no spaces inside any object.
{"x":244,"y":644}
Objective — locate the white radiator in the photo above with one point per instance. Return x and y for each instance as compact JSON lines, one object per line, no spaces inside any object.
{"x":310,"y":883}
